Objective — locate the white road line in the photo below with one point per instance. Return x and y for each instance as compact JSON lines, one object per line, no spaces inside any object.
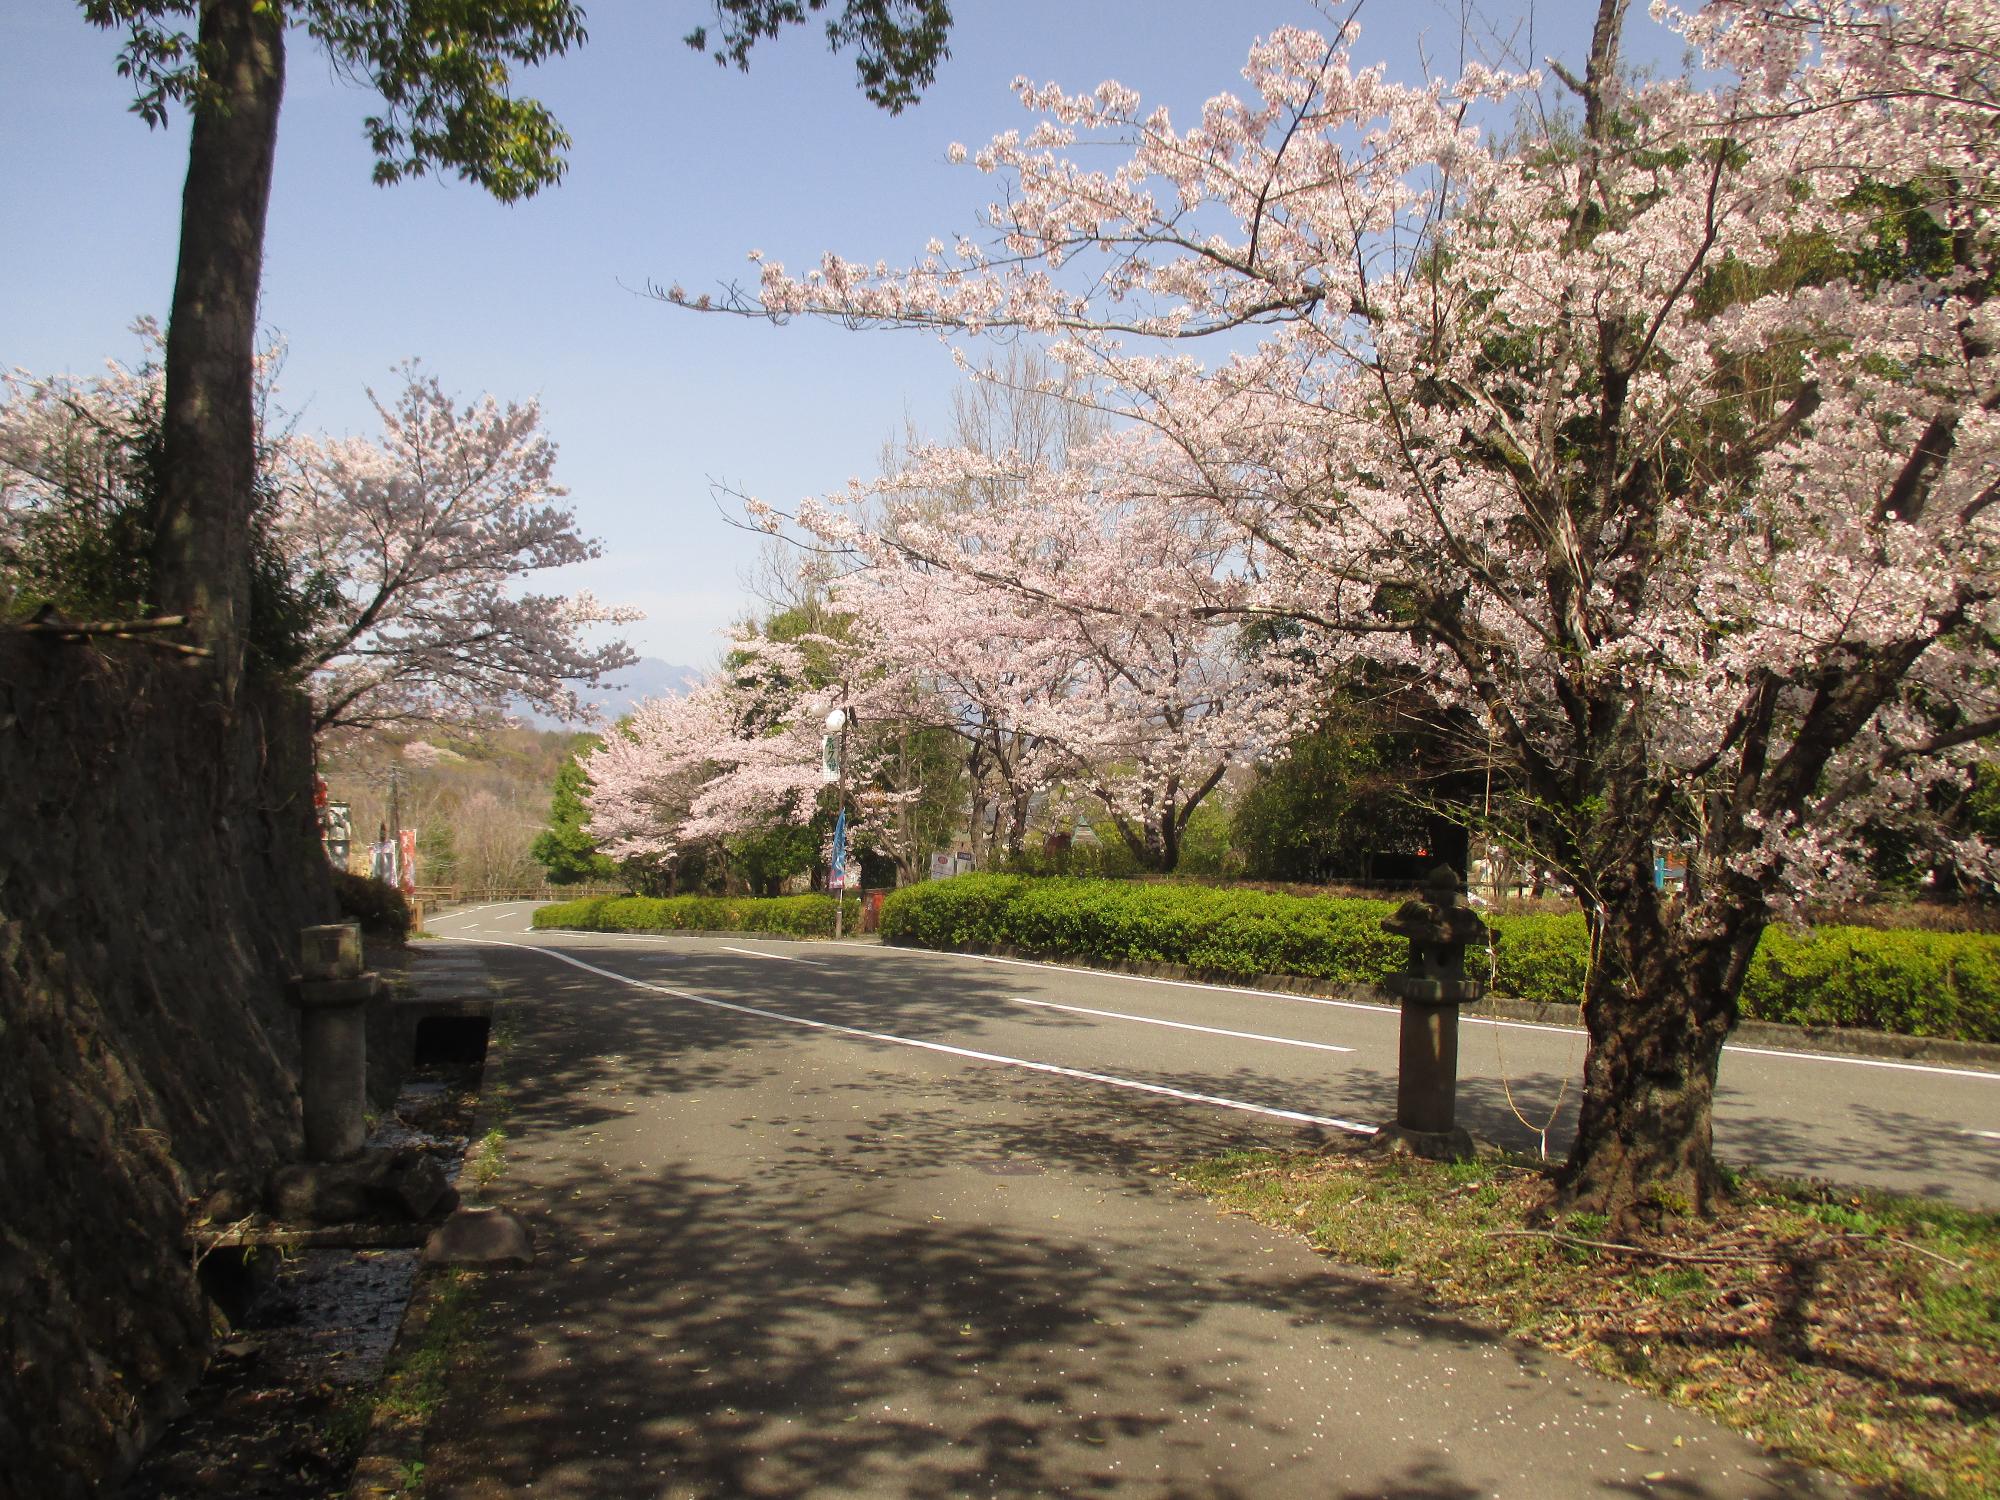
{"x":1386,"y":1009}
{"x":783,"y":958}
{"x":1984,"y":1135}
{"x":1864,"y":1062}
{"x":1119,"y":1015}
{"x":1352,"y":1126}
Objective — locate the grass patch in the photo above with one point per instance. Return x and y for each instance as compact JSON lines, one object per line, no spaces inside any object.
{"x":485,"y":1160}
{"x":1858,"y":1331}
{"x":439,"y":1343}
{"x":415,"y":1385}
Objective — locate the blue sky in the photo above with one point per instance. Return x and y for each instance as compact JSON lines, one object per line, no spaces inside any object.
{"x":678,"y":169}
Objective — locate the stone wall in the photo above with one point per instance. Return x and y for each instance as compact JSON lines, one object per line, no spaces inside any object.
{"x":157,"y":856}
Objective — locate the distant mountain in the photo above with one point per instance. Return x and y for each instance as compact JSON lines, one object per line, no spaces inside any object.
{"x":648,"y":677}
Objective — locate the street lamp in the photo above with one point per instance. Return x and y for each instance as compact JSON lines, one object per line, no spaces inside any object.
{"x":836,"y":729}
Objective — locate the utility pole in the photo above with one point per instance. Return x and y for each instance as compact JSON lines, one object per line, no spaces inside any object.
{"x":836,"y":724}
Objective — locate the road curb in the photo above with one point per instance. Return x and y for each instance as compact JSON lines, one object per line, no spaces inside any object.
{"x":392,"y":1450}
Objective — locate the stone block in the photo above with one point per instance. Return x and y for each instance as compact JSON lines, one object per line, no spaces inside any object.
{"x":330,"y":1192}
{"x":330,"y":952}
{"x":418,"y":1185}
{"x":1455,"y":1144}
{"x":491,"y":1238}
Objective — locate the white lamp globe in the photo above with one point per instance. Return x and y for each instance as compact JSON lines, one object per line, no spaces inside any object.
{"x":836,"y":721}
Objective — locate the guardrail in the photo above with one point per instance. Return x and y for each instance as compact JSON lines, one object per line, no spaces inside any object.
{"x":453,"y":895}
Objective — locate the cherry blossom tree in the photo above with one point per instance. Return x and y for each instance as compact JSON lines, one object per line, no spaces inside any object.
{"x":80,"y":501}
{"x":71,"y":461}
{"x":1073,"y":632}
{"x":399,"y":559}
{"x":447,"y":84}
{"x":427,"y":532}
{"x":1661,"y":445}
{"x":1069,"y":633}
{"x":742,"y":754}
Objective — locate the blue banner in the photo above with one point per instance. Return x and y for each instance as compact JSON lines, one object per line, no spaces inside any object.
{"x":837,"y":881}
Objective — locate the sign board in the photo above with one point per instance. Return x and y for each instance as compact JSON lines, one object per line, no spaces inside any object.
{"x":961,"y":863}
{"x":942,"y":867}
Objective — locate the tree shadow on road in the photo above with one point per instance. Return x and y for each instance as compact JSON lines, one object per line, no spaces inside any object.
{"x":840,"y":1307}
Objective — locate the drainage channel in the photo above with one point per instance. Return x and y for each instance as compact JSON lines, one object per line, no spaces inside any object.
{"x":306,"y":1319}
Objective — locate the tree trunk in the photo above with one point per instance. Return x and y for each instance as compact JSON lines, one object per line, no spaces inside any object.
{"x":1017,"y":825}
{"x":1660,"y":1001}
{"x":202,"y":538}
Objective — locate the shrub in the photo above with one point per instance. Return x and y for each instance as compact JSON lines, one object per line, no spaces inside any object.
{"x":377,"y":905}
{"x":1222,"y":931}
{"x":1540,"y":957}
{"x":796,"y":916}
{"x":1942,"y":984}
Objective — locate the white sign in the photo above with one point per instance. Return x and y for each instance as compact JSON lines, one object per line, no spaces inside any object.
{"x":942,"y":867}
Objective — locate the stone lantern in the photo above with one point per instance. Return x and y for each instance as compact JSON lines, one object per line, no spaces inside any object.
{"x":1432,"y":986}
{"x":332,"y":995}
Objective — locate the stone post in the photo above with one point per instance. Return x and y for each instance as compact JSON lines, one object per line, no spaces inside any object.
{"x":332,"y":995}
{"x":1432,"y":986}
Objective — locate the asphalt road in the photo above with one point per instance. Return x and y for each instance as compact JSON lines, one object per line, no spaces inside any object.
{"x":1912,"y":1127}
{"x":840,"y":1221}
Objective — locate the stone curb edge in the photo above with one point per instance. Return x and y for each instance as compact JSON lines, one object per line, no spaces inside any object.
{"x":393,"y":1443}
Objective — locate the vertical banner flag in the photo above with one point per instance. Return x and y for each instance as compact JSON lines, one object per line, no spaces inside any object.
{"x":837,"y":880}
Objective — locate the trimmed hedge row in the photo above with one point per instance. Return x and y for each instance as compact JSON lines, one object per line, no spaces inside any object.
{"x":795,"y":916}
{"x":1937,"y":984}
{"x":1217,"y":930}
{"x":1944,"y":984}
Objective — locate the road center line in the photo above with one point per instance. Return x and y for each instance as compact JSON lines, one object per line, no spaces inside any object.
{"x":1119,"y":1015}
{"x":1351,"y":1126}
{"x":783,"y":958}
{"x":1384,"y":1008}
{"x":1864,"y":1062}
{"x":1984,"y":1135}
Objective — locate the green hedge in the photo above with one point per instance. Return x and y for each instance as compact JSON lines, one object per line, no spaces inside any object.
{"x":796,"y":916}
{"x":1941,"y":984}
{"x":1215,"y":929}
{"x":1944,"y":984}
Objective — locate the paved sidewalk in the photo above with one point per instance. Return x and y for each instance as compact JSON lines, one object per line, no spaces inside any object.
{"x":776,"y":1263}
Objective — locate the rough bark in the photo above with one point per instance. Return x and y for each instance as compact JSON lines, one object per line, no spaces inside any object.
{"x":1660,"y":1002}
{"x":202,"y":542}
